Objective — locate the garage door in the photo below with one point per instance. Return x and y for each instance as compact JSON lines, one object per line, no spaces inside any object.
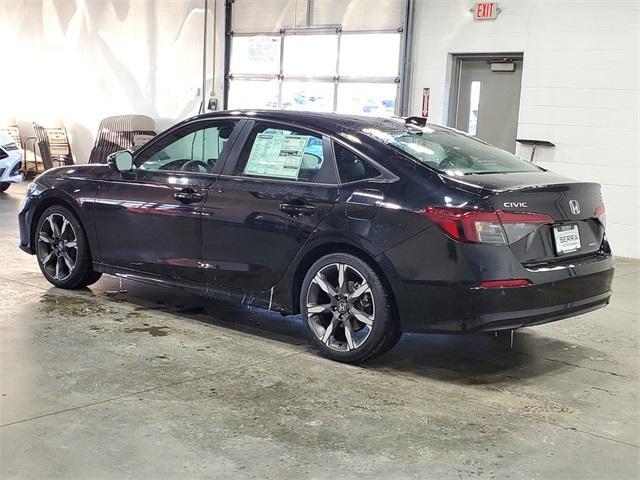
{"x":323,"y":55}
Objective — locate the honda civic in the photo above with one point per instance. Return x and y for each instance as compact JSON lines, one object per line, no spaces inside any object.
{"x":367,"y":227}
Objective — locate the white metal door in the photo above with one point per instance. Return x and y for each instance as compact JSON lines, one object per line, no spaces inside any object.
{"x":488,"y":100}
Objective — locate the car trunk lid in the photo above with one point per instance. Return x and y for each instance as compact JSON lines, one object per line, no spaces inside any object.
{"x":576,"y":211}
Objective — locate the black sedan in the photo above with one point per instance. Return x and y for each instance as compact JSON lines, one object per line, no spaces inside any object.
{"x":367,"y":227}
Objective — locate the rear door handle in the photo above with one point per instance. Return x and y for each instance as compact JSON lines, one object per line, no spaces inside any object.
{"x":295,"y":209}
{"x":188,"y":195}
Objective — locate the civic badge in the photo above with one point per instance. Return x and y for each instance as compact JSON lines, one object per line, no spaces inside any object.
{"x":574,"y":206}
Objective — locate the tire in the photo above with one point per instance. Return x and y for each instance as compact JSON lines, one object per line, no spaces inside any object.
{"x":4,"y":186}
{"x":350,"y":320}
{"x":62,"y":250}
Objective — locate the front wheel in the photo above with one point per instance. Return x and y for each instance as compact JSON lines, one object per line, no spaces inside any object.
{"x":62,"y":250}
{"x":347,"y":309}
{"x":4,"y":186}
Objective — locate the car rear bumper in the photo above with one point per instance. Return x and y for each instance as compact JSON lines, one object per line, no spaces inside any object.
{"x":443,"y":296}
{"x":457,"y":309}
{"x":493,"y":309}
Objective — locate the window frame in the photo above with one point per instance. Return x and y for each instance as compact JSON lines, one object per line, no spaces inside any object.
{"x":159,"y":142}
{"x":385,"y":176}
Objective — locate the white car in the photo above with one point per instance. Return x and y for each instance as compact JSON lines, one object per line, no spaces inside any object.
{"x":10,"y":162}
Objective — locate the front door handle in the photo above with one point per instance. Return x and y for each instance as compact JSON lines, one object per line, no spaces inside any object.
{"x":295,"y":209}
{"x":188,"y":195}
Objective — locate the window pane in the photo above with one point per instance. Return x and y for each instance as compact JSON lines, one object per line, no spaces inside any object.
{"x":312,"y":96}
{"x":474,"y":103}
{"x":310,"y":55}
{"x":351,"y":167}
{"x":358,"y":14}
{"x":268,"y":15}
{"x":367,"y":98}
{"x":373,"y":55}
{"x":253,"y":94}
{"x":195,"y":151}
{"x":255,"y":55}
{"x":448,"y":151}
{"x":283,"y":154}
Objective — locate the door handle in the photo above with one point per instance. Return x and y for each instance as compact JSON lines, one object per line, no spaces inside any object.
{"x":295,"y":209}
{"x":188,"y":195}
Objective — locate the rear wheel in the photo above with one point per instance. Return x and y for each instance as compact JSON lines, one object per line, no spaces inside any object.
{"x":62,"y":250}
{"x":347,"y":310}
{"x":4,"y":186}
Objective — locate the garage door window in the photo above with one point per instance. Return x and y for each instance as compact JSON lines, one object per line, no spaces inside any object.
{"x":331,"y":72}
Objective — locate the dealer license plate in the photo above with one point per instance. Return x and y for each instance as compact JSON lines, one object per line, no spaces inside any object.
{"x":567,"y":238}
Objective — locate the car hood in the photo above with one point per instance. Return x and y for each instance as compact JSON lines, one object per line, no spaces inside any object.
{"x":91,"y":171}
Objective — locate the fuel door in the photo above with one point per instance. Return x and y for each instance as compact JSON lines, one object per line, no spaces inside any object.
{"x":363,"y":203}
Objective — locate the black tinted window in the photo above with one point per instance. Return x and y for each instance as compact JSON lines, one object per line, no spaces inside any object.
{"x":351,"y":167}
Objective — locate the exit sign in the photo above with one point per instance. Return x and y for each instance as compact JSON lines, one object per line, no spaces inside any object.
{"x":485,"y":11}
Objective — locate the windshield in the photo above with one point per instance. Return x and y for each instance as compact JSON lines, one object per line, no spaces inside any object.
{"x":450,"y":152}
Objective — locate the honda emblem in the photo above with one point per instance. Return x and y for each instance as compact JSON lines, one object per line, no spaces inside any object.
{"x":574,"y":206}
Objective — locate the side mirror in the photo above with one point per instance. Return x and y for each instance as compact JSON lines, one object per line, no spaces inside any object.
{"x":122,"y":160}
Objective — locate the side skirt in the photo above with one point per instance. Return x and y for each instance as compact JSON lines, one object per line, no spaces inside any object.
{"x":244,"y":297}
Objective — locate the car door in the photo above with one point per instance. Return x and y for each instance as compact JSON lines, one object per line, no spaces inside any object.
{"x":150,"y":219}
{"x":275,"y":188}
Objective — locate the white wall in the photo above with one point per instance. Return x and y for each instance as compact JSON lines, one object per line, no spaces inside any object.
{"x":580,"y":87}
{"x":81,"y":61}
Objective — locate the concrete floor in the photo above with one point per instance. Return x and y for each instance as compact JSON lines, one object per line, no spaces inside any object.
{"x":158,"y":384}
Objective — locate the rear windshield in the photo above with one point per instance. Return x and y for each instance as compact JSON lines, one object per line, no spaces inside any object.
{"x":448,"y":151}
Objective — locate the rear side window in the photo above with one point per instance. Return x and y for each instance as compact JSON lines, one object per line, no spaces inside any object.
{"x":352,"y":167}
{"x":282,"y":153}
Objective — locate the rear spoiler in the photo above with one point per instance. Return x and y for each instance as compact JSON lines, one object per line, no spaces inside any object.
{"x":417,"y":121}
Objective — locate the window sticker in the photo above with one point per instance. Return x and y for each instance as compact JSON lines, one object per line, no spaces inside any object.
{"x":276,"y":155}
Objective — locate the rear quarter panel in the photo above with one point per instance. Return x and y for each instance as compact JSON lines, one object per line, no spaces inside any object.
{"x":392,"y":221}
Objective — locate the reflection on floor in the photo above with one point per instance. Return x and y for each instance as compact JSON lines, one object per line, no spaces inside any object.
{"x":158,"y":384}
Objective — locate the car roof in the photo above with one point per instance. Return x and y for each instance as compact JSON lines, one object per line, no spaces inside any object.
{"x":330,"y":122}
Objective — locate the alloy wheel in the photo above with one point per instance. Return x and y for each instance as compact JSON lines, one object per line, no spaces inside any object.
{"x":340,"y":307}
{"x":57,"y":246}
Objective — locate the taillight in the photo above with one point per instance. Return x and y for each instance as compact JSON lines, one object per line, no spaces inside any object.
{"x":600,"y":213}
{"x":467,"y":225}
{"x":477,"y":226}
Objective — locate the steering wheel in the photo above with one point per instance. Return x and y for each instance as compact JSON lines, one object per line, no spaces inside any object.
{"x":195,"y":166}
{"x":172,"y":165}
{"x":454,"y":161}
